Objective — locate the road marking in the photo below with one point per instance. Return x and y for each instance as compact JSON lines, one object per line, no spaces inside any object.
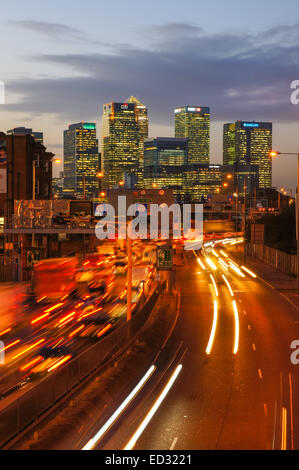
{"x":253,"y":347}
{"x":240,"y":301}
{"x":175,"y":440}
{"x":265,"y":409}
{"x":244,"y":312}
{"x":290,"y":301}
{"x":249,"y":327}
{"x":260,"y":373}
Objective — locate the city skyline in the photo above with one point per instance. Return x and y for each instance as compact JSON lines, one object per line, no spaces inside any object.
{"x":240,"y":72}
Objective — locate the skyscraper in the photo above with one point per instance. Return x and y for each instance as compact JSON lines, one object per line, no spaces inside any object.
{"x":142,"y":120}
{"x":81,"y":160}
{"x":249,"y":143}
{"x":193,"y":123}
{"x":120,"y":142}
{"x":38,"y":136}
{"x":165,"y":159}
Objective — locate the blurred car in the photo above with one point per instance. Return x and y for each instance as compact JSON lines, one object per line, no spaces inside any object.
{"x":120,"y":268}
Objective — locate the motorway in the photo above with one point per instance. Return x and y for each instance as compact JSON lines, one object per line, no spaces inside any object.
{"x":235,"y":386}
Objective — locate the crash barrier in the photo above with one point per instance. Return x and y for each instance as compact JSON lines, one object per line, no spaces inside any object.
{"x":40,"y":397}
{"x":278,"y":259}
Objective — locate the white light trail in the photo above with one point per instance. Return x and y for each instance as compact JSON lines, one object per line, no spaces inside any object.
{"x":119,"y":410}
{"x":131,"y":444}
{"x":213,"y":330}
{"x":237,"y":327}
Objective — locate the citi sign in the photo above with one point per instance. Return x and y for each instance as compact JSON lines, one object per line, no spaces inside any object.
{"x":125,"y":106}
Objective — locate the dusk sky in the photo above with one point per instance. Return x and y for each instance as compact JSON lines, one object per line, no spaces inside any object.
{"x":62,"y":60}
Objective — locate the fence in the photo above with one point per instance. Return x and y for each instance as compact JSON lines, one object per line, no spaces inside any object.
{"x":19,"y":414}
{"x":278,"y":259}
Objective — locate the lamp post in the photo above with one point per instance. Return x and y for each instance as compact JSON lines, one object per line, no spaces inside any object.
{"x":274,"y":154}
{"x":100,"y":175}
{"x":54,"y":160}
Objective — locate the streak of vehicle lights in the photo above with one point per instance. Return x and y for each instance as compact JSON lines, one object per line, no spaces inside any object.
{"x":10,"y":345}
{"x":34,"y":345}
{"x":211,"y":264}
{"x":41,"y":317}
{"x":5,"y":331}
{"x":73,"y":333}
{"x":119,"y":410}
{"x":249,"y":272}
{"x":215,"y":254}
{"x":86,"y":263}
{"x":49,"y":310}
{"x":213,"y":330}
{"x":228,"y":285}
{"x":65,"y":319}
{"x":59,"y":363}
{"x":79,"y":305}
{"x":284,"y":429}
{"x":201,"y":264}
{"x":40,"y":299}
{"x":223,"y":254}
{"x":31,"y":363}
{"x":64,"y":297}
{"x":214,"y":284}
{"x":131,"y":444}
{"x":104,"y":330}
{"x":237,"y":270}
{"x":237,"y":327}
{"x":223,"y":264}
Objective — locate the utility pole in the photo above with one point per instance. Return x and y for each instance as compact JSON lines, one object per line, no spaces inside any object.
{"x":244,"y":219}
{"x":33,"y":198}
{"x":129,"y":273}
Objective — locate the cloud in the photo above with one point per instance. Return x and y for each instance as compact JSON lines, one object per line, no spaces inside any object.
{"x":239,"y":75}
{"x":57,"y":31}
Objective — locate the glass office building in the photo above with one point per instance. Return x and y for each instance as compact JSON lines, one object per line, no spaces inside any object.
{"x":81,"y":161}
{"x":193,"y":123}
{"x":165,"y":160}
{"x":202,"y":181}
{"x":249,"y":143}
{"x":120,"y":142}
{"x":142,"y":120}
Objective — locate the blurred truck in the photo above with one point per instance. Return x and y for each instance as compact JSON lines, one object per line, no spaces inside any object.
{"x":54,"y":278}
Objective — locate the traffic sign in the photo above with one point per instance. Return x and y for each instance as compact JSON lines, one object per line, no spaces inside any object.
{"x":33,"y":256}
{"x":164,"y":258}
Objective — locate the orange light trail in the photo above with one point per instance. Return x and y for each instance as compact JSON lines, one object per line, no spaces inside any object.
{"x":49,"y":310}
{"x":5,"y":331}
{"x":10,"y":345}
{"x":28,"y":349}
{"x":31,"y":363}
{"x":104,"y":330}
{"x":76,"y":331}
{"x":59,"y":363}
{"x":36,"y":320}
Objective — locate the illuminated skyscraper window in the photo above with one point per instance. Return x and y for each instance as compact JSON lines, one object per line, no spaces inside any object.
{"x":81,"y":160}
{"x":120,"y":142}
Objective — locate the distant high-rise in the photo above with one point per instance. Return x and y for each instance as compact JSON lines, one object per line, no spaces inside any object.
{"x":229,"y":144}
{"x":120,"y":142}
{"x":38,"y":136}
{"x":193,"y":123}
{"x":249,"y":143}
{"x":165,"y":159}
{"x":142,"y":120}
{"x":81,"y":160}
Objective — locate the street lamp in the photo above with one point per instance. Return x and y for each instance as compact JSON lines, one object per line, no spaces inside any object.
{"x":274,"y":154}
